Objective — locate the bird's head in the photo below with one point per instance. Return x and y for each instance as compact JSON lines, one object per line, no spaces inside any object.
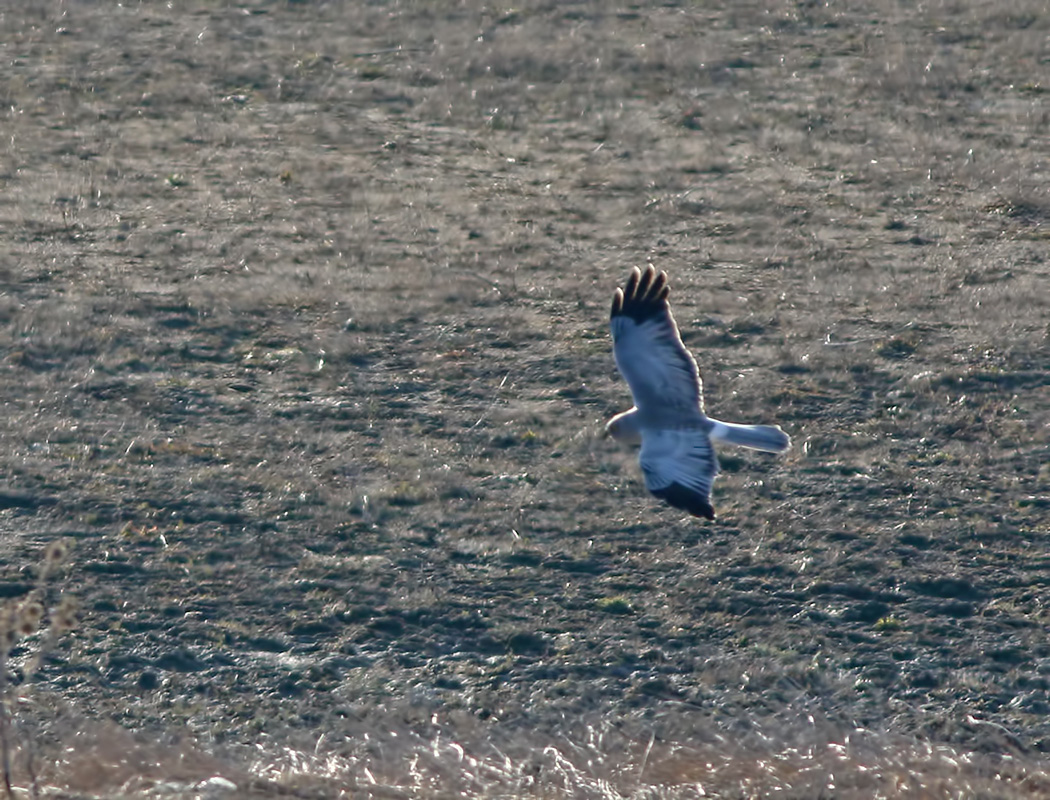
{"x":622,"y":429}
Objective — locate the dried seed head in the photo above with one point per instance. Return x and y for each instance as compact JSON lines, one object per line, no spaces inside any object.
{"x":56,"y":553}
{"x":8,"y":638}
{"x":64,"y":617}
{"x":32,"y":610}
{"x":28,"y":617}
{"x":63,"y":623}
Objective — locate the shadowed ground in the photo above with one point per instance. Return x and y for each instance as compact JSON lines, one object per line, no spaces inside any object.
{"x":303,"y":320}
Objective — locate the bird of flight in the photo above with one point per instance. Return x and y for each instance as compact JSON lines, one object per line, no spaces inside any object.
{"x":677,"y":457}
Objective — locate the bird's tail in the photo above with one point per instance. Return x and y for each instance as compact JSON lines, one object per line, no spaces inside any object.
{"x":768,"y":438}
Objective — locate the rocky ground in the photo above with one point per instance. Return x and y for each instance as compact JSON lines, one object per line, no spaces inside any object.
{"x":303,"y":318}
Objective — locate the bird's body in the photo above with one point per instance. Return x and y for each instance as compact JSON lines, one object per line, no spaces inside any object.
{"x":677,"y":457}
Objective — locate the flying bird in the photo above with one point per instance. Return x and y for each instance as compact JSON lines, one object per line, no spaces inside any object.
{"x":677,"y":457}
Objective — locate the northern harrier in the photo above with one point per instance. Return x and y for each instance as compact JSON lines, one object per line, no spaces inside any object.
{"x":677,"y":457}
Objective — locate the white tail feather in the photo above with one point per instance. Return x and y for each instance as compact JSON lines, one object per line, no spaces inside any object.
{"x":768,"y":438}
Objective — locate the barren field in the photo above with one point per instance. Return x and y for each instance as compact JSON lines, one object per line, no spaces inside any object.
{"x":304,"y":344}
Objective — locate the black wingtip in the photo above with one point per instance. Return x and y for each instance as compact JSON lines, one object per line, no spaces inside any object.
{"x":687,"y":499}
{"x":643,"y":296}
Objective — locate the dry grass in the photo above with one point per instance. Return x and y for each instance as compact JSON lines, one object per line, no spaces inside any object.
{"x":791,"y":757}
{"x":303,"y":313}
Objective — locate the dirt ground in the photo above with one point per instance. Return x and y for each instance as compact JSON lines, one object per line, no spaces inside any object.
{"x":303,"y":325}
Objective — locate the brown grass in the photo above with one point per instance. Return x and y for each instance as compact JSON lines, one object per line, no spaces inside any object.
{"x":303,"y":321}
{"x":791,"y":757}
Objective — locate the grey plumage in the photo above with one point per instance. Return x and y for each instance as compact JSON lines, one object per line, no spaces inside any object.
{"x":677,"y":457}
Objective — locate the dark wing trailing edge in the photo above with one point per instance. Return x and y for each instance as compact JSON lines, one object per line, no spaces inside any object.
{"x":679,"y":467}
{"x":686,"y":499}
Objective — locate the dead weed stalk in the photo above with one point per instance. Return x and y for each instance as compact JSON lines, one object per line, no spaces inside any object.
{"x":20,"y":619}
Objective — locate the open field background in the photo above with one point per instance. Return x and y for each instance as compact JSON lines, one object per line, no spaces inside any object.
{"x":303,"y":325}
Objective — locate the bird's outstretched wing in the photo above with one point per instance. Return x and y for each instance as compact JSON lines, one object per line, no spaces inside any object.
{"x":679,"y":467}
{"x":649,"y":352}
